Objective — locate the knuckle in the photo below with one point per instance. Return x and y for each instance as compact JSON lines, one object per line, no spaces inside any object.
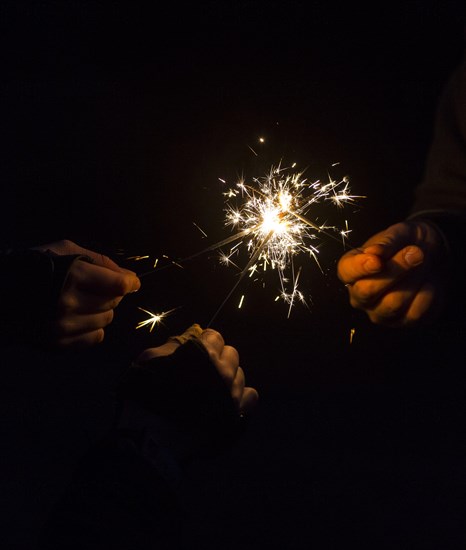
{"x":212,"y":336}
{"x":123,"y":284}
{"x":66,"y":244}
{"x":105,"y":260}
{"x":228,"y":375}
{"x":355,"y":303}
{"x":232,"y":354}
{"x":79,"y":271}
{"x":392,"y":306}
{"x":67,"y":302}
{"x":363,"y":291}
{"x":236,"y":395}
{"x":376,"y":318}
{"x":108,"y":317}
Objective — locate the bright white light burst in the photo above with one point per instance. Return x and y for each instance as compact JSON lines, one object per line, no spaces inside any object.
{"x":154,"y":318}
{"x":272,"y":217}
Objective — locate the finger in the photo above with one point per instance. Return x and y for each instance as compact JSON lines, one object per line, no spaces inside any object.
{"x":104,"y":261}
{"x":79,"y":324}
{"x":238,"y":387}
{"x":227,"y":365}
{"x":425,"y":305}
{"x":82,"y":340}
{"x":173,"y":343}
{"x":213,"y":342}
{"x":160,"y":351}
{"x":354,"y":265}
{"x":366,"y":291}
{"x":75,"y":301}
{"x":388,"y":242}
{"x":66,"y":247}
{"x":392,"y":308}
{"x":248,"y":400}
{"x":101,"y":281}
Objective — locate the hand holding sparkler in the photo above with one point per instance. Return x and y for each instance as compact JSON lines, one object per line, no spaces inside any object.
{"x":195,"y":383}
{"x":93,"y":287}
{"x":224,"y":358}
{"x":398,"y":278}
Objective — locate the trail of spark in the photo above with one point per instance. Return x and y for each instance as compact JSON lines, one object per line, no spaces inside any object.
{"x":293,"y":294}
{"x":202,"y":231}
{"x":251,"y":262}
{"x":321,"y":230}
{"x":210,"y":248}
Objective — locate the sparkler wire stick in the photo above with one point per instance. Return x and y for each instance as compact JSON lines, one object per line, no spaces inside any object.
{"x":210,"y":248}
{"x":273,"y":213}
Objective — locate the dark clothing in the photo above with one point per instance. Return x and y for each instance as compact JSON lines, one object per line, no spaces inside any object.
{"x":443,"y":189}
{"x":170,"y":411}
{"x":31,"y":283}
{"x":117,"y":499}
{"x":441,"y":196}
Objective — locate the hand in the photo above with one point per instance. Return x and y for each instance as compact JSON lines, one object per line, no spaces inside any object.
{"x":91,"y":293}
{"x":184,"y":400}
{"x":398,"y":278}
{"x":224,"y":358}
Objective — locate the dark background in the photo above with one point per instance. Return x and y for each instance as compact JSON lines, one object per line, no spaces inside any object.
{"x":117,"y":123}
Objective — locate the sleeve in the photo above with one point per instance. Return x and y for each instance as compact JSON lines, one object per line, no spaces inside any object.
{"x":171,"y":411}
{"x":30,"y":284}
{"x":117,"y":499}
{"x":443,"y":189}
{"x":440,"y":199}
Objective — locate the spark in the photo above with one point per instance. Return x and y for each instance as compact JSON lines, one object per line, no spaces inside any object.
{"x":352,"y":333}
{"x":203,"y":232}
{"x":154,"y":318}
{"x":272,"y":219}
{"x":137,"y":258}
{"x":241,"y":302}
{"x":226,"y":260}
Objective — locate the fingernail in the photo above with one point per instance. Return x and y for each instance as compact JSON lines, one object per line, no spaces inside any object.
{"x":372,"y":265}
{"x":414,"y":256}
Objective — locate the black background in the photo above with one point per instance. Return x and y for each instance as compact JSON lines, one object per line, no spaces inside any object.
{"x":117,"y":123}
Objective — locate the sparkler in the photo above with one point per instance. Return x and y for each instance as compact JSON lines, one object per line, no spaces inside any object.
{"x":272,"y":222}
{"x":274,"y":226}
